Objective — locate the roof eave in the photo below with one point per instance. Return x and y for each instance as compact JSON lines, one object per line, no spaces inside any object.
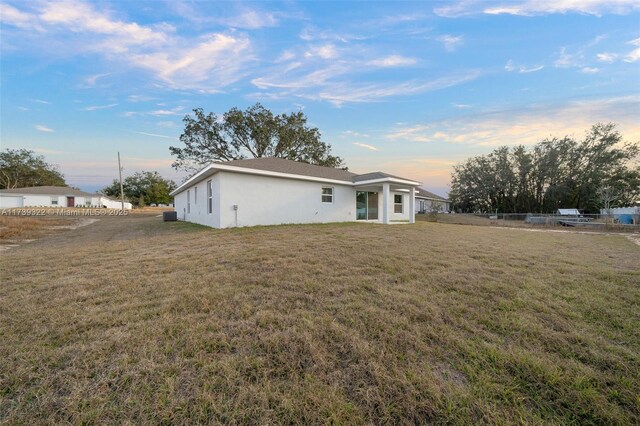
{"x":387,"y":180}
{"x":215,"y":167}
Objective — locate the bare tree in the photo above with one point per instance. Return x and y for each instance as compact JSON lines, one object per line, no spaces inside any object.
{"x":606,"y":196}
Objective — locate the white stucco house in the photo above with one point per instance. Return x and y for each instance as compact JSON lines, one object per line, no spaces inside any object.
{"x":427,"y":202}
{"x":55,"y":196}
{"x":272,"y":191}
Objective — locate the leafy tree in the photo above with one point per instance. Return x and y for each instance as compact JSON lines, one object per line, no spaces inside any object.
{"x":253,"y":133}
{"x":21,"y":168}
{"x":143,"y":188}
{"x":555,"y":173}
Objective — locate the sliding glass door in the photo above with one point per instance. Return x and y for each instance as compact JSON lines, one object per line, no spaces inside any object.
{"x":366,"y":205}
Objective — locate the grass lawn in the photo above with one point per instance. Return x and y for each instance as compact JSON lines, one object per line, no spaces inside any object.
{"x":132,"y":320}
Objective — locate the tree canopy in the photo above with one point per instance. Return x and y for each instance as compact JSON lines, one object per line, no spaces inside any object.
{"x":143,"y":188}
{"x":21,"y":168}
{"x":253,"y":133}
{"x":555,"y":173}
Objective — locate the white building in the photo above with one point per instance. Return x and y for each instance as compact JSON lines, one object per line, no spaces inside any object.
{"x":428,"y":202}
{"x":271,"y":191}
{"x":625,"y":215}
{"x":55,"y":196}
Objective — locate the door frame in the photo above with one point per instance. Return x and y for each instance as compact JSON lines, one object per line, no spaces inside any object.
{"x":71,"y":201}
{"x":366,"y":209}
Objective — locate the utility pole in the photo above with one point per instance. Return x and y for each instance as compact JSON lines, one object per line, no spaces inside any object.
{"x":121,"y":188}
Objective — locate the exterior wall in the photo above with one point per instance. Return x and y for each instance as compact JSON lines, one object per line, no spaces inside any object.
{"x":47,"y":201}
{"x":10,"y":201}
{"x":30,"y":200}
{"x":111,"y":204}
{"x":621,"y":210}
{"x":273,"y":201}
{"x":198,"y":212}
{"x":393,"y":216}
{"x":40,"y":200}
{"x":263,"y":200}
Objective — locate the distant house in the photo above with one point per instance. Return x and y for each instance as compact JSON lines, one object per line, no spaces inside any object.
{"x":427,"y":202}
{"x":271,"y":191}
{"x":625,"y":215}
{"x":55,"y":196}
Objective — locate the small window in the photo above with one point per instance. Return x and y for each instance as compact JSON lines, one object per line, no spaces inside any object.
{"x":327,"y":194}
{"x":397,"y":203}
{"x":195,"y":195}
{"x":188,"y":201}
{"x":210,"y":197}
{"x":88,"y":201}
{"x":54,"y":201}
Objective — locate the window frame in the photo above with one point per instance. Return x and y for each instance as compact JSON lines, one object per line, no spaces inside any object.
{"x":195,"y":195}
{"x":210,"y":196}
{"x":323,"y":194}
{"x":188,"y":201}
{"x":400,"y":204}
{"x":54,"y":201}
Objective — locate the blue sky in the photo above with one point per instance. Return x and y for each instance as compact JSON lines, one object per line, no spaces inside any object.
{"x":409,"y":88}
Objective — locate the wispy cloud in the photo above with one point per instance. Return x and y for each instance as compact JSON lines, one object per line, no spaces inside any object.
{"x":607,"y":57}
{"x":461,"y":106}
{"x":41,"y":101}
{"x":510,"y":66}
{"x":286,"y":55}
{"x":91,"y":81}
{"x":97,"y":107}
{"x":567,"y":60}
{"x":216,"y":61}
{"x":156,"y":135}
{"x":236,"y":15}
{"x":312,"y":34}
{"x":393,"y":61}
{"x":139,"y":98}
{"x":334,"y":82}
{"x":526,"y":125}
{"x":12,"y":16}
{"x":155,"y":113}
{"x":166,"y":112}
{"x":210,"y":62}
{"x":252,"y":19}
{"x":325,"y":51}
{"x":537,"y":7}
{"x":450,"y":42}
{"x":589,"y":70}
{"x":354,"y":134}
{"x":43,"y":128}
{"x":366,"y":146}
{"x":634,"y":55}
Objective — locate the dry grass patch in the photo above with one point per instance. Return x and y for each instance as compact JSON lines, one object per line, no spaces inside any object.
{"x":348,"y":323}
{"x":24,"y":227}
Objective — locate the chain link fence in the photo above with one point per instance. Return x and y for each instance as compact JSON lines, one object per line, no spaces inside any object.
{"x":631,"y":221}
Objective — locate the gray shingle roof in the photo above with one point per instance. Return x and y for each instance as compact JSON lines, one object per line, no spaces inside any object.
{"x":49,"y":190}
{"x":423,"y":193}
{"x":375,"y":175}
{"x":280,"y":165}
